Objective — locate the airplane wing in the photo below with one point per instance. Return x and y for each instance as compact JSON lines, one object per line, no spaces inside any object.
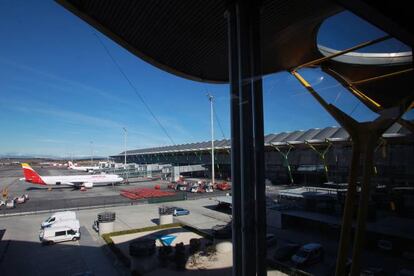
{"x":79,"y":185}
{"x":75,"y":184}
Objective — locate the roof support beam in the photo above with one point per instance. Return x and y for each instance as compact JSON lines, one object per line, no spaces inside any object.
{"x":383,"y":76}
{"x":340,"y":53}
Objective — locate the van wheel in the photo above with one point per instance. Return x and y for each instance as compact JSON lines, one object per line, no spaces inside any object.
{"x":50,"y":243}
{"x":74,"y":239}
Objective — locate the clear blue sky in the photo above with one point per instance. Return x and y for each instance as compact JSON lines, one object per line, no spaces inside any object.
{"x":59,"y":90}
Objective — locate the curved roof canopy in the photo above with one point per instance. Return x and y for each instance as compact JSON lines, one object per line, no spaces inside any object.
{"x":189,"y":38}
{"x":383,"y":78}
{"x":297,"y":138}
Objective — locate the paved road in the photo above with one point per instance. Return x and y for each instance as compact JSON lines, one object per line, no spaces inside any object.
{"x":22,"y":254}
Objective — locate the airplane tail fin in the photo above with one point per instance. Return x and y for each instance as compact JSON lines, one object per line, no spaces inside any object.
{"x":70,"y":165}
{"x":31,"y":176}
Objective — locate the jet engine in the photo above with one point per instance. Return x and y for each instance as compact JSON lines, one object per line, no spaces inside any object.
{"x":88,"y":185}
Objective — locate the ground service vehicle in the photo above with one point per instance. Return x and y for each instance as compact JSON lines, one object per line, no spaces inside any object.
{"x":51,"y":235}
{"x":10,"y":203}
{"x":308,"y":254}
{"x":73,"y":224}
{"x":67,"y":215}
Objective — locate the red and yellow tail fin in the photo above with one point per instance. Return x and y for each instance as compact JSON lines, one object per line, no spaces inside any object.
{"x":31,"y":176}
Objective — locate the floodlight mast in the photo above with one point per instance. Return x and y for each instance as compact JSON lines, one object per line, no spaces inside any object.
{"x":125,"y":146}
{"x":91,"y":153}
{"x":211,"y":99}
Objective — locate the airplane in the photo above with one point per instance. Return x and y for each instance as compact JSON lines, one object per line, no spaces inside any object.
{"x":77,"y":181}
{"x":82,"y":168}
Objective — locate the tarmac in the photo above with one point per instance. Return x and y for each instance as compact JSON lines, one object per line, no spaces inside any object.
{"x":63,"y":197}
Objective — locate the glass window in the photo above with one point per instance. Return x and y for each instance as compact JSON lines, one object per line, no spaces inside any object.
{"x":60,"y":233}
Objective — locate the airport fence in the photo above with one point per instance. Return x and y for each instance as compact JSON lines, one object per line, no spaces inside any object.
{"x":53,"y":205}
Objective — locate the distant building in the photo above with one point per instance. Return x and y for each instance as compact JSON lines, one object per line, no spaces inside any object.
{"x":302,"y":157}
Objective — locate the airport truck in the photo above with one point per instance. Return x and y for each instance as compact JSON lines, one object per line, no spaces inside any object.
{"x":72,"y":223}
{"x":52,"y":235}
{"x":59,"y":216}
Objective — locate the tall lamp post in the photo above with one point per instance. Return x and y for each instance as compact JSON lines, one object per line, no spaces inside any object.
{"x":91,"y":153}
{"x":211,"y":98}
{"x":125,"y":152}
{"x":125,"y":146}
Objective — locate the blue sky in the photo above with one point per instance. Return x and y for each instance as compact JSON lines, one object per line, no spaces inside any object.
{"x":60,"y":91}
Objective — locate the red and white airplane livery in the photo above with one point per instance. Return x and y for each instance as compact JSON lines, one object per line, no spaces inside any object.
{"x":78,"y":181}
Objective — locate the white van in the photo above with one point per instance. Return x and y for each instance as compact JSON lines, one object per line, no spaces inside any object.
{"x":73,"y":224}
{"x":59,"y":216}
{"x":51,"y":235}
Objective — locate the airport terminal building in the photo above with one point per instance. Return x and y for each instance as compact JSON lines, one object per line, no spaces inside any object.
{"x":308,"y":157}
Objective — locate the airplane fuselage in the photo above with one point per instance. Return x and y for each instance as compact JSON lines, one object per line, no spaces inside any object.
{"x":96,"y":179}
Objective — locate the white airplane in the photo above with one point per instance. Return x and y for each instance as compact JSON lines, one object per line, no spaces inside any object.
{"x":82,"y":168}
{"x":77,"y":181}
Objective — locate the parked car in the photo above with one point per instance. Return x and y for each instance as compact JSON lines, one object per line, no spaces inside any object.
{"x":223,"y":186}
{"x":52,"y":235}
{"x":20,"y":199}
{"x":308,"y":254}
{"x":181,"y":187}
{"x":95,"y":225}
{"x":193,"y":188}
{"x":180,"y":211}
{"x":10,"y":203}
{"x":385,"y":245}
{"x":373,"y":271}
{"x":209,"y":188}
{"x":2,"y":203}
{"x":405,"y":272}
{"x":285,"y":252}
{"x":67,"y":215}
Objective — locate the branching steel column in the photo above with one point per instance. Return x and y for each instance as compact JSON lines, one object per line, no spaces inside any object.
{"x":286,"y":160}
{"x":364,"y":137}
{"x":344,"y":241}
{"x":363,"y":202}
{"x":322,"y":155}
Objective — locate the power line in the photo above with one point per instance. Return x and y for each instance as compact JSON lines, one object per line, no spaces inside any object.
{"x":135,"y":90}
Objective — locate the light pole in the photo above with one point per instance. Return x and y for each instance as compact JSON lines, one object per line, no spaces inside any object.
{"x":211,"y":98}
{"x":91,"y":153}
{"x":125,"y":147}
